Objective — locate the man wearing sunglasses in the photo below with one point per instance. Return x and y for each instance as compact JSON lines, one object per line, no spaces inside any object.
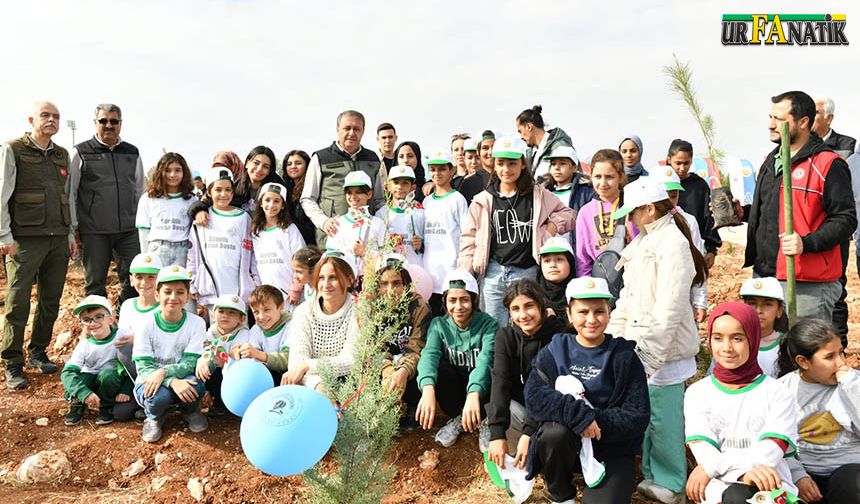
{"x":106,"y":179}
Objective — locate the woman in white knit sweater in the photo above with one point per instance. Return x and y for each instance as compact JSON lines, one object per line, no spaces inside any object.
{"x":324,"y":328}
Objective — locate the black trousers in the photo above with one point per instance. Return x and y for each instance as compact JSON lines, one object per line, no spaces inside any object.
{"x":98,"y":250}
{"x":213,"y":385}
{"x":451,"y":389}
{"x":842,"y":486}
{"x":558,"y":451}
{"x":840,"y":312}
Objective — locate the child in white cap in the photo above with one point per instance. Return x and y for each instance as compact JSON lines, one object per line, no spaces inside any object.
{"x":90,"y":377}
{"x":471,"y":156}
{"x":221,"y":258}
{"x":455,"y":365}
{"x":276,"y":238}
{"x":226,"y":333}
{"x":765,"y":296}
{"x":588,"y":394}
{"x":556,"y":271}
{"x":404,"y":216}
{"x":565,"y":179}
{"x":660,"y":266}
{"x":444,"y":212}
{"x":166,"y":348}
{"x":358,"y":232}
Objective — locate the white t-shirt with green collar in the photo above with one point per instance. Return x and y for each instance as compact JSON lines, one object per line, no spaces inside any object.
{"x":92,"y":356}
{"x":131,"y":314}
{"x":165,"y":342}
{"x":273,"y":250}
{"x":443,"y":216}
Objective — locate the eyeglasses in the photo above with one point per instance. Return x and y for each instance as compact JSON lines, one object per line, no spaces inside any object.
{"x":113,"y":122}
{"x":95,"y":319}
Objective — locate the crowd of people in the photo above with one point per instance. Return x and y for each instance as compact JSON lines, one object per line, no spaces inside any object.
{"x":563,"y":314}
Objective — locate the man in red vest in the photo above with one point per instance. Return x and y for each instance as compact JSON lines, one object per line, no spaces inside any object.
{"x":824,"y":213}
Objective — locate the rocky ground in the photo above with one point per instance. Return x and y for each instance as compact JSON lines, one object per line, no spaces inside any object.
{"x":112,"y":463}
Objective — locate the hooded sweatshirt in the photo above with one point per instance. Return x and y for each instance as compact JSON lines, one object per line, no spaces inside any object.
{"x":469,"y":351}
{"x":637,"y":170}
{"x":512,"y":364}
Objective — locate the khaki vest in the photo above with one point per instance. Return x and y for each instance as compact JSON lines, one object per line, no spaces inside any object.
{"x":39,"y":205}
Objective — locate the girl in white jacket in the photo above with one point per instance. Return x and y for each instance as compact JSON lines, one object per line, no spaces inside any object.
{"x":661,"y":259}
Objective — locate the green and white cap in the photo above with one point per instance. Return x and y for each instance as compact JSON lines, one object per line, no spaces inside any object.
{"x":391,"y":259}
{"x":275,"y":188}
{"x":563,"y":151}
{"x":667,"y":176}
{"x":640,"y":193}
{"x":509,"y":148}
{"x":768,"y":287}
{"x":587,"y":287}
{"x":340,"y":255}
{"x":440,"y":157}
{"x":147,"y":264}
{"x":401,"y":171}
{"x":459,"y":279}
{"x":216,"y":173}
{"x":471,"y":144}
{"x":555,"y":245}
{"x":93,"y":301}
{"x":174,"y":273}
{"x":231,"y":301}
{"x":357,"y":178}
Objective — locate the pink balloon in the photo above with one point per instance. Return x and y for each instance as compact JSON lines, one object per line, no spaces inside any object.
{"x":422,"y":279}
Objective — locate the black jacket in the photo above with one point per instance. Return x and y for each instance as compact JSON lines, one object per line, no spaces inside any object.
{"x":842,"y":144}
{"x":763,"y":215}
{"x":622,"y":421}
{"x":695,"y":199}
{"x":512,"y":363}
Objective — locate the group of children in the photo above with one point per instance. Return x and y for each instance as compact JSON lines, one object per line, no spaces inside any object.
{"x":521,"y":338}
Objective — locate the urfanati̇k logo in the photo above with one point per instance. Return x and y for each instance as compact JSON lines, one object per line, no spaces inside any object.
{"x":784,"y":29}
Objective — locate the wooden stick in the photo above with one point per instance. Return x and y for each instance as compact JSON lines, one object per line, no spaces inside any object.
{"x":788,"y":215}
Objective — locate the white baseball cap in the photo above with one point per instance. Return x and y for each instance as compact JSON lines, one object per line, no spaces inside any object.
{"x":640,"y":193}
{"x":275,"y":188}
{"x":459,"y":279}
{"x":555,"y":245}
{"x":174,"y":273}
{"x":564,"y":151}
{"x":471,"y":144}
{"x":509,"y":148}
{"x":667,"y":176}
{"x":587,"y":288}
{"x":768,"y":287}
{"x":216,"y":173}
{"x":145,"y":263}
{"x":389,"y":259}
{"x":93,"y":301}
{"x":440,"y":157}
{"x":338,"y":254}
{"x":357,"y":178}
{"x":231,"y":301}
{"x":401,"y":171}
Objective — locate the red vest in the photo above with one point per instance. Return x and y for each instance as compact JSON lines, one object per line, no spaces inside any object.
{"x":807,"y":191}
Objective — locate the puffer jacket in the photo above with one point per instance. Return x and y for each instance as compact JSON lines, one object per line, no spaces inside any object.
{"x":475,"y":238}
{"x":654,"y":307}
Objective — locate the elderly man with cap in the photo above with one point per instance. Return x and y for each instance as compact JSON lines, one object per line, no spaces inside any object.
{"x":35,"y":237}
{"x":106,"y":180}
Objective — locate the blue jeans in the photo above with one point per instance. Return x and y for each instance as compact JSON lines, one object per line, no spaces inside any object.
{"x":493,"y":286}
{"x":170,"y":253}
{"x":157,"y":404}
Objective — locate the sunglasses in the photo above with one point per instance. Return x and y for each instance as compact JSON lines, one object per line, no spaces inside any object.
{"x":113,"y":122}
{"x":93,"y":320}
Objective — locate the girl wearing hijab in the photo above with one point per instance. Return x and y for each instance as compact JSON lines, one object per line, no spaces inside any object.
{"x":741,"y":423}
{"x":556,"y":271}
{"x":631,"y":152}
{"x":409,"y":154}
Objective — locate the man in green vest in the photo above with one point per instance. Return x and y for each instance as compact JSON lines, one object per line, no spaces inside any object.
{"x":35,"y":238}
{"x":322,"y":197}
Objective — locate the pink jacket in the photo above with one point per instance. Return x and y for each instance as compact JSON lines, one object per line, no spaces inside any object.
{"x":475,"y":238}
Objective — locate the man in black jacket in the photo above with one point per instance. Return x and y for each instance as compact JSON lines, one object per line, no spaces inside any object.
{"x":843,"y":145}
{"x":106,"y":179}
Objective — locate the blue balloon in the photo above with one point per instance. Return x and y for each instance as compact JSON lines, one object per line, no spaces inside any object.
{"x":244,"y":381}
{"x":288,"y":429}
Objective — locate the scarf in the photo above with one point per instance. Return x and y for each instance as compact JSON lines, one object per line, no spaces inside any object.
{"x":636,"y":169}
{"x":750,"y":370}
{"x":231,"y":161}
{"x":555,"y":291}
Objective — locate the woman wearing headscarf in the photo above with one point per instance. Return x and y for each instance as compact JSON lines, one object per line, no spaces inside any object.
{"x":631,"y":153}
{"x":409,"y":154}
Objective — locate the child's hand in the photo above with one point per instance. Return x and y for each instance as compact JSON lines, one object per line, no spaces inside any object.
{"x":842,"y":370}
{"x":294,"y":298}
{"x":498,"y":450}
{"x":808,"y":490}
{"x":551,"y":228}
{"x":92,"y":401}
{"x":417,"y":242}
{"x":762,"y":477}
{"x":124,"y":340}
{"x":472,"y":412}
{"x":201,"y":218}
{"x":425,"y":414}
{"x":295,"y":376}
{"x":184,"y":389}
{"x":234,"y":352}
{"x":121,"y":398}
{"x":522,"y":451}
{"x":247,"y":351}
{"x":701,"y":315}
{"x":592,"y":431}
{"x":202,"y":370}
{"x":397,"y":382}
{"x":696,"y":484}
{"x":359,"y":249}
{"x":152,"y":383}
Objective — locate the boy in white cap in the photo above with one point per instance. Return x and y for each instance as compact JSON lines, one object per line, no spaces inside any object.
{"x":166,"y":348}
{"x":358,"y":232}
{"x":608,"y":414}
{"x":404,"y":217}
{"x":221,"y":257}
{"x":444,"y":211}
{"x":565,"y":180}
{"x":226,"y":333}
{"x":90,"y":377}
{"x":471,"y":156}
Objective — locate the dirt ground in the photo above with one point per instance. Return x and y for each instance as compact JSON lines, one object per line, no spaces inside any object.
{"x":99,"y":455}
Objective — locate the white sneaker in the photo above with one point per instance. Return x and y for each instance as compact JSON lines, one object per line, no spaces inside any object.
{"x":484,"y":436}
{"x":660,"y":493}
{"x":449,"y":432}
